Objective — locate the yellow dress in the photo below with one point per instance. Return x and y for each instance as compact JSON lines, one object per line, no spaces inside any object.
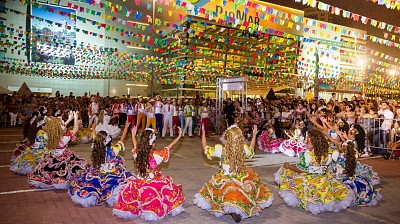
{"x":226,"y":192}
{"x":315,"y":189}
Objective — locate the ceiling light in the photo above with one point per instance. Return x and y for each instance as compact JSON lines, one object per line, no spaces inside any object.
{"x":139,"y":85}
{"x":139,"y":48}
{"x":145,"y":24}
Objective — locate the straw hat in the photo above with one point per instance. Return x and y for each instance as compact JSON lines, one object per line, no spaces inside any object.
{"x":152,"y":100}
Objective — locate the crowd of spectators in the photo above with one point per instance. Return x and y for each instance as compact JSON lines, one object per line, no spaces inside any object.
{"x":379,"y":118}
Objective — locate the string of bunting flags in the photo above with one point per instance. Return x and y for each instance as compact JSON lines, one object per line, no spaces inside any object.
{"x":390,"y":4}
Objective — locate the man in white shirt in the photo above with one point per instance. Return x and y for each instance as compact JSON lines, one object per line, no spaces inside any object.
{"x":141,"y":116}
{"x":150,"y":113}
{"x":168,"y":111}
{"x":158,"y":105}
{"x":189,"y":112}
{"x":384,"y":129}
{"x":204,"y":113}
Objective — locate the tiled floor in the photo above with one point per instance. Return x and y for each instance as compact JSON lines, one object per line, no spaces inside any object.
{"x":189,"y":167}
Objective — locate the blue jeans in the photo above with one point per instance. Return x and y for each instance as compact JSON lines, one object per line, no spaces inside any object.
{"x":377,"y":140}
{"x":182,"y":121}
{"x":159,"y":123}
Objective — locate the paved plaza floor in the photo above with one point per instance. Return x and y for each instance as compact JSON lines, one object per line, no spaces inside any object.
{"x":20,"y":203}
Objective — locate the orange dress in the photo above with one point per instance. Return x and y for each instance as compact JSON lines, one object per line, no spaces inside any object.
{"x":226,"y":192}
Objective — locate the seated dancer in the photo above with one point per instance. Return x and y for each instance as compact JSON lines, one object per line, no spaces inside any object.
{"x":308,"y":184}
{"x":83,"y":135}
{"x":295,"y":145}
{"x":104,"y":125}
{"x":100,"y":182}
{"x":267,"y":141}
{"x":345,"y":170}
{"x":30,"y":157}
{"x":60,"y":164}
{"x":29,"y":134}
{"x":150,"y":195}
{"x":234,"y":190}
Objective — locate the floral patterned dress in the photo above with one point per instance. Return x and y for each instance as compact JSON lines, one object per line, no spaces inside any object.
{"x":99,"y":185}
{"x":315,"y":189}
{"x":226,"y":192}
{"x":30,"y":157}
{"x":268,"y":142}
{"x":361,"y":183}
{"x":57,"y":167}
{"x":153,"y":197}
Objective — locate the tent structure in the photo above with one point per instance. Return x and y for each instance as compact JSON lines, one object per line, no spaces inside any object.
{"x":4,"y":91}
{"x":24,"y":91}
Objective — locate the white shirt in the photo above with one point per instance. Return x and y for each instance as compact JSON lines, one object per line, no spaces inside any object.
{"x":95,"y":108}
{"x":389,"y":116}
{"x":168,"y":110}
{"x":158,"y":106}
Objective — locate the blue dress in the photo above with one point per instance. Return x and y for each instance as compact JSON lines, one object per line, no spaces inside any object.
{"x":362,"y":183}
{"x":98,"y":185}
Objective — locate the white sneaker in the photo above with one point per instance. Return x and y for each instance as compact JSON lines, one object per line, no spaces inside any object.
{"x":365,"y":155}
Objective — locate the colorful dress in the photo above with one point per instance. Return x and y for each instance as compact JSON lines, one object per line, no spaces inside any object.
{"x":268,"y":142}
{"x":99,"y":185}
{"x":226,"y":192}
{"x":315,"y":189}
{"x":57,"y":167}
{"x":21,"y":147}
{"x":112,"y":130}
{"x":153,"y":197}
{"x":361,"y":183}
{"x":83,"y":135}
{"x":30,"y":157}
{"x":293,"y":147}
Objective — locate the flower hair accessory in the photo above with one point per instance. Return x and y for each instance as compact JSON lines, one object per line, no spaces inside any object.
{"x":107,"y":139}
{"x":232,"y":126}
{"x":152,"y":136}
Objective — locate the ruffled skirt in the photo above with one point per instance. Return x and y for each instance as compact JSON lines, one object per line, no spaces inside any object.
{"x":365,"y":193}
{"x":28,"y":159}
{"x":94,"y":188}
{"x":83,"y":136}
{"x":149,"y":199}
{"x":112,"y":130}
{"x":316,"y":193}
{"x":56,"y":171}
{"x":292,"y":148}
{"x":268,"y":145}
{"x":244,"y":195}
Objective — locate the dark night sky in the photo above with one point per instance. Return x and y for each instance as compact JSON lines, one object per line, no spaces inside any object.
{"x":363,"y":8}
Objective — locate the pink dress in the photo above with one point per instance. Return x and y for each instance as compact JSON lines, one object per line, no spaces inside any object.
{"x":150,"y":198}
{"x":268,"y":142}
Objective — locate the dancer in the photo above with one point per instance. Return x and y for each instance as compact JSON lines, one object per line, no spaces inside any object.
{"x":29,"y":135}
{"x":149,"y":195}
{"x":189,"y":112}
{"x":234,"y":190}
{"x":308,"y":185}
{"x":159,"y":116}
{"x":57,"y":167}
{"x":168,"y":110}
{"x":100,"y":182}
{"x":83,"y":135}
{"x":268,"y":142}
{"x":345,"y":170}
{"x":104,"y":125}
{"x":30,"y":157}
{"x":295,"y":145}
{"x":150,"y":114}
